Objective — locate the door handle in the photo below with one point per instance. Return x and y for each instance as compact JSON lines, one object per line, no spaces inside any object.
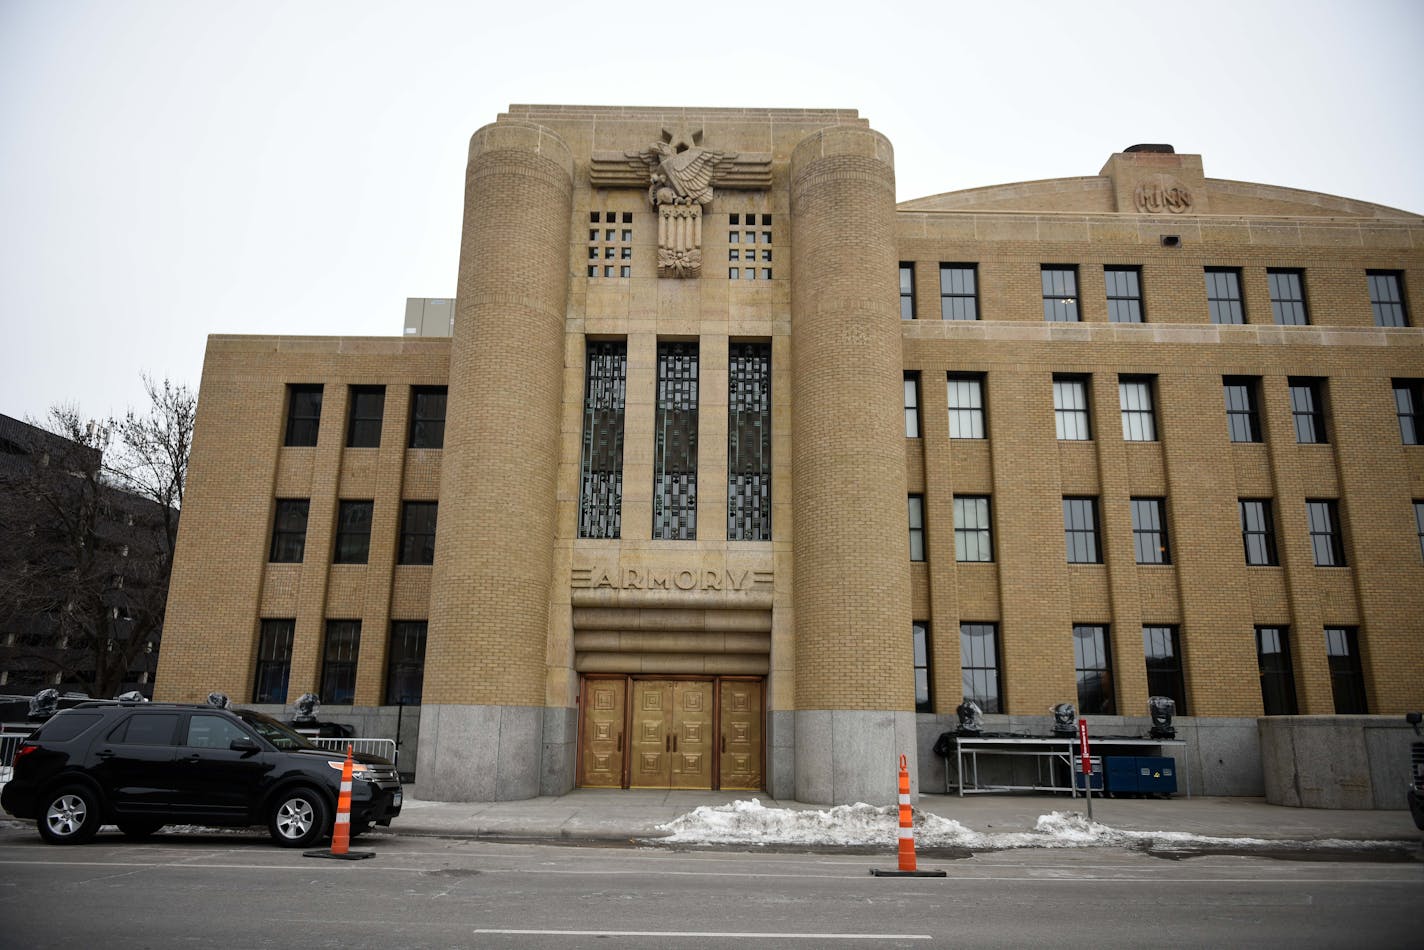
{"x":620,"y":742}
{"x":667,"y":743}
{"x":105,"y":753}
{"x":724,"y":742}
{"x":674,"y":743}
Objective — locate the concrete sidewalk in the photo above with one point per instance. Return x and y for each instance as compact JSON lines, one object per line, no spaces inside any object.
{"x":621,"y":815}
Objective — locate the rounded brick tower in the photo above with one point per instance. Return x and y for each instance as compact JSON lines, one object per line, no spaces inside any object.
{"x":854,"y":666}
{"x":482,"y":722}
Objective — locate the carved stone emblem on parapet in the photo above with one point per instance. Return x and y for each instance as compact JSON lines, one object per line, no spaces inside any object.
{"x":1162,"y":193}
{"x":679,"y":174}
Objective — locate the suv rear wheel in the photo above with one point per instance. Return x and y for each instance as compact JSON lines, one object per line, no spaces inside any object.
{"x":70,"y":816}
{"x":300,"y":817}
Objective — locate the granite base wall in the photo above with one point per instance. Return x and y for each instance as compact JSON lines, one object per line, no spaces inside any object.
{"x":1336,"y":761}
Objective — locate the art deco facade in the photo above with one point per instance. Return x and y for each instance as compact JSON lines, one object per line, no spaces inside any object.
{"x":737,"y":474}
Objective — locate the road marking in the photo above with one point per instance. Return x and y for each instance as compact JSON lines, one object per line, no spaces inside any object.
{"x":701,"y":934}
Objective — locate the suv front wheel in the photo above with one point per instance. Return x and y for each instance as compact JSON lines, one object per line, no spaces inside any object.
{"x":70,"y":816}
{"x":300,"y":818}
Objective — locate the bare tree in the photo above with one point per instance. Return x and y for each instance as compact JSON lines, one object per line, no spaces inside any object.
{"x":87,"y":538}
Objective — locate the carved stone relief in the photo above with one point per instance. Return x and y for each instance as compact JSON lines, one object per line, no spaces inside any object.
{"x":1162,"y":193}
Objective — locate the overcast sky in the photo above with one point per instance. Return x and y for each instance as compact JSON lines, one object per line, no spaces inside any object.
{"x":176,"y":168}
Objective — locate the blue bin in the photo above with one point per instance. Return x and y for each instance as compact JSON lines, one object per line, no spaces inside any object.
{"x":1121,"y":773}
{"x":1096,"y":775}
{"x":1157,"y":774}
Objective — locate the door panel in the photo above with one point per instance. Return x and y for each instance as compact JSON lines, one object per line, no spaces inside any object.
{"x":692,"y":734}
{"x":601,"y":761}
{"x":741,"y":753}
{"x":651,"y":748}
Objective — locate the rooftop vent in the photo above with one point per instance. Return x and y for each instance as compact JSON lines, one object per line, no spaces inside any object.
{"x":1158,"y":149}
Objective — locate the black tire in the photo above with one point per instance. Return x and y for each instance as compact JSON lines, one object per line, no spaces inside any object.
{"x":300,"y":817}
{"x":69,"y":815}
{"x":140,"y":828}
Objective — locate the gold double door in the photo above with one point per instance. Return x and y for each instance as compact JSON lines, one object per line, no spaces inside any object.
{"x":671,"y":733}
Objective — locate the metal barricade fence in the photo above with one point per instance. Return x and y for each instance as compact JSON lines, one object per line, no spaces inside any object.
{"x":382,"y":747}
{"x":9,"y":742}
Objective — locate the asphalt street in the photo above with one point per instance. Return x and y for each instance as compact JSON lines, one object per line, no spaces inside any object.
{"x":214,"y":890}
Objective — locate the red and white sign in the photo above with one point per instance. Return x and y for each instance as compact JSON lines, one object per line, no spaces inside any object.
{"x":1083,"y":746}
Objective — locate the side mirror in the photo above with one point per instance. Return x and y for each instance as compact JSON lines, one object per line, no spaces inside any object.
{"x":246,"y":746}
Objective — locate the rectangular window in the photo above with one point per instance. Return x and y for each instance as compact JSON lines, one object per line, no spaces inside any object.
{"x":958,"y":292}
{"x":1223,"y":295}
{"x":417,"y":540}
{"x":353,"y":532}
{"x":405,"y":662}
{"x":979,"y":665}
{"x":920,"y":631}
{"x":363,"y":428}
{"x":1149,"y":530}
{"x":1080,"y":530}
{"x":1387,"y":298}
{"x":1258,"y":531}
{"x":1139,"y":422}
{"x":338,"y":662}
{"x":609,"y":242}
{"x":1326,"y":541}
{"x":427,"y":416}
{"x":1060,"y":293}
{"x":289,"y":531}
{"x":1243,"y":415}
{"x":1164,"y":665}
{"x":749,"y":442}
{"x":1409,"y":407}
{"x":1288,"y":297}
{"x":966,"y":406}
{"x":303,"y":413}
{"x":274,"y":661}
{"x":973,"y":540}
{"x":917,"y":527}
{"x":1070,"y":408}
{"x":1277,"y":681}
{"x":1419,"y":524}
{"x":601,"y":471}
{"x":1093,"y":666}
{"x":675,"y":443}
{"x":912,"y":405}
{"x":744,"y":237}
{"x":1307,"y":398}
{"x":1124,"y":286}
{"x":1347,"y":673}
{"x":907,"y":291}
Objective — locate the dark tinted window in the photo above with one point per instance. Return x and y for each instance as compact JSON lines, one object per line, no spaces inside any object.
{"x":368,"y":404}
{"x":146,"y":729}
{"x":427,"y":416}
{"x":66,"y":726}
{"x":213,"y":732}
{"x":303,"y":414}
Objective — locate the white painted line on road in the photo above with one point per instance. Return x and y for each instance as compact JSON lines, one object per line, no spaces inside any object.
{"x":701,"y":934}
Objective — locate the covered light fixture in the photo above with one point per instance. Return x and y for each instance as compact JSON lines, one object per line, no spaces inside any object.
{"x":971,"y":718}
{"x":219,"y":700}
{"x":1065,"y":720}
{"x":1162,"y":709}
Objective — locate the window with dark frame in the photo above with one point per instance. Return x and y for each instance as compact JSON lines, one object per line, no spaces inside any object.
{"x":1092,"y":664}
{"x":274,"y":661}
{"x":1243,"y":416}
{"x":979,"y":665}
{"x":289,"y":531}
{"x":417,"y":539}
{"x":1070,"y":408}
{"x":1409,"y":408}
{"x":605,"y":397}
{"x":958,"y":292}
{"x":1258,"y":531}
{"x":303,"y":414}
{"x":1139,"y":419}
{"x":912,"y":405}
{"x":427,"y":416}
{"x":749,"y":442}
{"x":1307,"y":398}
{"x":1223,"y":295}
{"x":1287,"y":297}
{"x":1273,"y":659}
{"x":1387,"y":298}
{"x":1060,"y":293}
{"x":1080,"y":530}
{"x":907,"y":290}
{"x":920,"y":632}
{"x":610,"y":244}
{"x":368,"y":405}
{"x":1326,"y":541}
{"x":1124,"y":290}
{"x":973,"y":538}
{"x":1347,"y":671}
{"x":1419,"y":525}
{"x":405,"y":662}
{"x":749,"y":250}
{"x":338,"y":662}
{"x":917,"y":527}
{"x":1149,"y":530}
{"x":675,"y":442}
{"x":966,"y":406}
{"x":1163,"y":650}
{"x":353,"y":532}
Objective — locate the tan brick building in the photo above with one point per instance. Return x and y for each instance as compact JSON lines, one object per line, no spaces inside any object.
{"x":658,"y":515}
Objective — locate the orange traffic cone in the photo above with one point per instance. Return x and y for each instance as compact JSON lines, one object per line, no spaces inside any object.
{"x":341,"y":830}
{"x":907,"y":833}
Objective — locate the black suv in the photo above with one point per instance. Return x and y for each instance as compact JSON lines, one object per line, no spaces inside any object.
{"x":144,"y":765}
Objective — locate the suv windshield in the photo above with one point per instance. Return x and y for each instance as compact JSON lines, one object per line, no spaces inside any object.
{"x":274,"y":732}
